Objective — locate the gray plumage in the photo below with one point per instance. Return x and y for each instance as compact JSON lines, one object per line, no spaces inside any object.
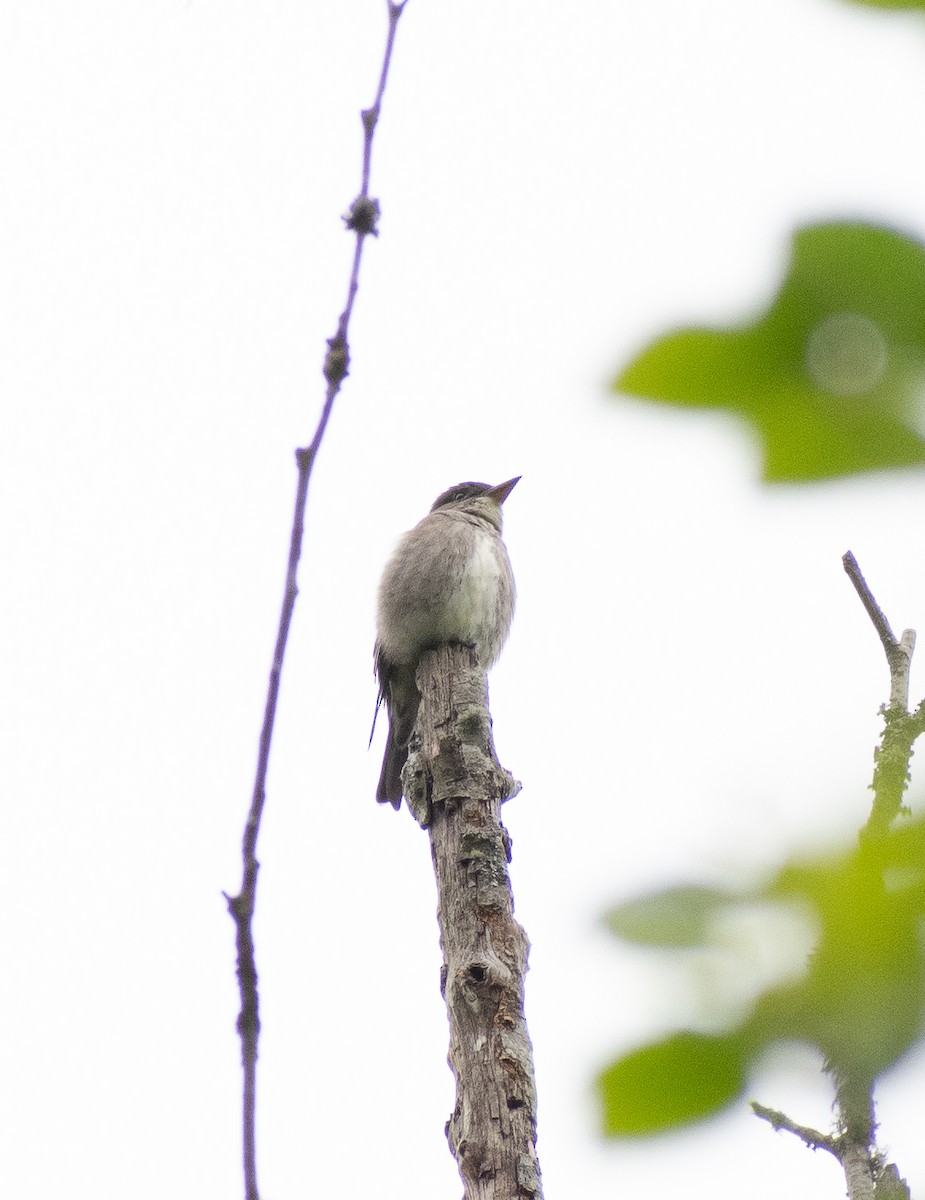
{"x":449,"y":580}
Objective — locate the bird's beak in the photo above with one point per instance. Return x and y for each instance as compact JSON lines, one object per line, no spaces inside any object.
{"x":501,"y":491}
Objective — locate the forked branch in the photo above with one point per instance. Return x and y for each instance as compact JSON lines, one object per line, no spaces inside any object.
{"x":866,"y":1171}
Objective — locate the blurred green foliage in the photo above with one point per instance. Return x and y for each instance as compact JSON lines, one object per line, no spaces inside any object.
{"x":679,"y":916}
{"x":860,"y":999}
{"x":892,"y":3}
{"x":832,"y":376}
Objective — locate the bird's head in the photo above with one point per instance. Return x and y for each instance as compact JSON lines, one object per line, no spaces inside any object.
{"x":479,"y":499}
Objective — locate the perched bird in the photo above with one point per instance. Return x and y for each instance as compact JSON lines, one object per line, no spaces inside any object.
{"x":449,"y":580}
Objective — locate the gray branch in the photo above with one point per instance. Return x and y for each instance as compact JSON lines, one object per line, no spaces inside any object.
{"x":456,"y":787}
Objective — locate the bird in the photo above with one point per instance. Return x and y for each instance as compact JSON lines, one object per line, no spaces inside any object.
{"x":448,"y":580}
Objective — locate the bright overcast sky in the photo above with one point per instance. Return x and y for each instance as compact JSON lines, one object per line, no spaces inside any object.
{"x":691,"y":687}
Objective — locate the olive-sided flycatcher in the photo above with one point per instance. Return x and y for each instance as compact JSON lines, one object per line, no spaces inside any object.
{"x":449,"y":580}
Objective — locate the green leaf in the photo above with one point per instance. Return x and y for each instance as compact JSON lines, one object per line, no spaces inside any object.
{"x":679,"y":916}
{"x":686,"y":1078}
{"x":832,"y":377}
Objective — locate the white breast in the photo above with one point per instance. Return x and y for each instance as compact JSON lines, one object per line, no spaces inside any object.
{"x":476,"y":610}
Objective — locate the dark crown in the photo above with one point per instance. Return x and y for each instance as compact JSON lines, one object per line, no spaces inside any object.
{"x":460,"y":491}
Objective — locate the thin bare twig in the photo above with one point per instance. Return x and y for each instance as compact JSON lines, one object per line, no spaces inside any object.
{"x":874,"y":611}
{"x":810,"y":1137}
{"x":361,"y":218}
{"x":898,"y":653}
{"x":865,"y":1171}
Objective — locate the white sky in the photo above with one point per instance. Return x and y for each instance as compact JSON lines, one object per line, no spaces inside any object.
{"x":691,"y":687}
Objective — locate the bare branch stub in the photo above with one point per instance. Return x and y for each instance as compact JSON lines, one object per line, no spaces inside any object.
{"x":492,"y":1130}
{"x":241,"y":907}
